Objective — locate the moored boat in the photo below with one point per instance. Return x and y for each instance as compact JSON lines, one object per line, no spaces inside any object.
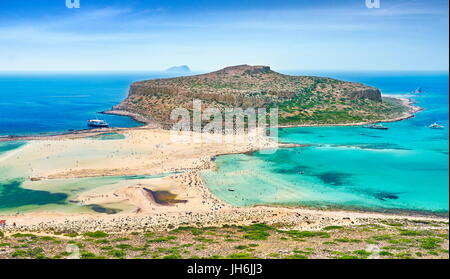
{"x":375,"y":126}
{"x":436,"y":126}
{"x":97,"y":123}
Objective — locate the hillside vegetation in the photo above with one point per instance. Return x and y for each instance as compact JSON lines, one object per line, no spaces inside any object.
{"x":397,"y":239}
{"x":300,"y":99}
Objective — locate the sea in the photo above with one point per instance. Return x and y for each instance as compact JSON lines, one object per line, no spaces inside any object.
{"x":404,"y":168}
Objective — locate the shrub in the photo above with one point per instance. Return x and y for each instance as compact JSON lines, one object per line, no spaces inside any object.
{"x":430,"y":243}
{"x":124,"y":246}
{"x":87,"y":255}
{"x":257,"y":231}
{"x":329,"y":228}
{"x":96,"y":234}
{"x":117,"y":253}
{"x":257,"y":235}
{"x":410,"y":233}
{"x":23,"y":235}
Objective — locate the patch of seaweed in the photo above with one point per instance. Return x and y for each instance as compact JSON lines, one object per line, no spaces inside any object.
{"x":335,"y":178}
{"x":164,"y":197}
{"x":101,"y":209}
{"x":385,"y":196}
{"x":13,"y":195}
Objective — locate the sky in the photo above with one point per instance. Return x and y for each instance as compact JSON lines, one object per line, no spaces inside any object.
{"x":144,"y":35}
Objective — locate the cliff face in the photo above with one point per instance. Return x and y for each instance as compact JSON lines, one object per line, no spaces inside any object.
{"x":300,"y":99}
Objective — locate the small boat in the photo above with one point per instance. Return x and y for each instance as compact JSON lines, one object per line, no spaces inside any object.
{"x":97,"y":123}
{"x":436,"y":126}
{"x":418,"y":91}
{"x":375,"y":126}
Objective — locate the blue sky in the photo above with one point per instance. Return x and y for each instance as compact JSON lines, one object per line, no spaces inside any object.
{"x":140,"y":35}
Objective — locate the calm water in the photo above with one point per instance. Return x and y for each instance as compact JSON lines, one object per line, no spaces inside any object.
{"x":54,"y":103}
{"x":48,"y":103}
{"x":403,"y":168}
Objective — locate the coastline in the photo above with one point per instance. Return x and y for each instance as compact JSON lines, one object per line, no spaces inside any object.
{"x":412,"y":110}
{"x":202,"y":207}
{"x":136,"y":117}
{"x":149,"y":124}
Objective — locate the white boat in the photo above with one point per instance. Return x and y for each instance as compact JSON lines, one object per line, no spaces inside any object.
{"x":375,"y":126}
{"x":97,"y":123}
{"x":436,"y":126}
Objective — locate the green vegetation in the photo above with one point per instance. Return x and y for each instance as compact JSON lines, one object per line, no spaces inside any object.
{"x":257,"y":232}
{"x":430,"y":243}
{"x":410,"y":232}
{"x":411,"y":240}
{"x":23,"y":235}
{"x":96,"y":234}
{"x":300,"y":99}
{"x":299,"y":235}
{"x":329,"y":228}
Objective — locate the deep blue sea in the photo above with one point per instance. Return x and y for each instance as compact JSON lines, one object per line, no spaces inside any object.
{"x":54,"y":103}
{"x":403,"y":168}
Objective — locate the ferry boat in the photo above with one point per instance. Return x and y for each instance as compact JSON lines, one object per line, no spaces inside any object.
{"x":376,"y":126}
{"x":97,"y":123}
{"x":436,"y":126}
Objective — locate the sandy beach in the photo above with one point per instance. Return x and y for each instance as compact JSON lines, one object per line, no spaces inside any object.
{"x":146,"y":151}
{"x":149,"y":151}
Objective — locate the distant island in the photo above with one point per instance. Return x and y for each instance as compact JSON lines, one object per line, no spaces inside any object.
{"x":302,"y":100}
{"x":183,"y":69}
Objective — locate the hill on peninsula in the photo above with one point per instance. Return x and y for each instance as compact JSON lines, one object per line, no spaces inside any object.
{"x":301,"y":100}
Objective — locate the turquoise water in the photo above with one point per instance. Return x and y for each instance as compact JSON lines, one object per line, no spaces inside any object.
{"x":403,"y":168}
{"x":20,"y":194}
{"x":108,"y":136}
{"x":54,"y":103}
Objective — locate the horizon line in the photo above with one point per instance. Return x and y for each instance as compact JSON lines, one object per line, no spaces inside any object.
{"x":196,"y":71}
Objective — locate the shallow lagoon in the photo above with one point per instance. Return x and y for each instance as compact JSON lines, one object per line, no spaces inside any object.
{"x":19,"y":194}
{"x":403,"y":168}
